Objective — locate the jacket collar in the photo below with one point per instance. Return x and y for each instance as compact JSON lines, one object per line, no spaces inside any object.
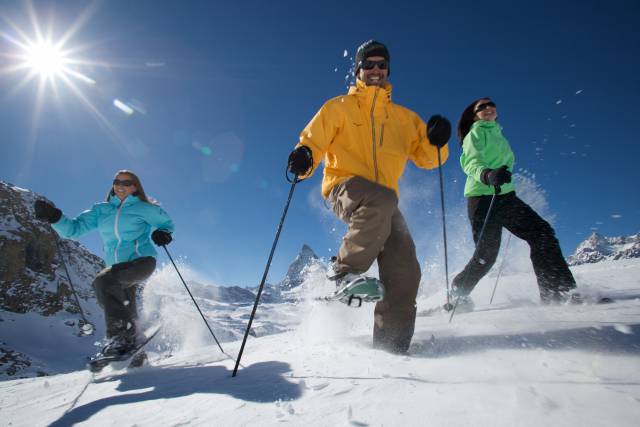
{"x":486,"y":124}
{"x":130,"y":199}
{"x":368,"y":92}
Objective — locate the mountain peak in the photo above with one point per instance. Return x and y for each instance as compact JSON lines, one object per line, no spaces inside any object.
{"x":307,"y":251}
{"x":295,"y":273}
{"x":598,"y":248}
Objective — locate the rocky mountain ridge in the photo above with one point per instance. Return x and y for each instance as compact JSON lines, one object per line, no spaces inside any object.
{"x":34,"y":281}
{"x":598,"y":248}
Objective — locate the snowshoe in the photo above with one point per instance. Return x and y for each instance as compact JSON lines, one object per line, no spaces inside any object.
{"x":121,"y":350}
{"x":352,"y":288}
{"x":119,"y":345}
{"x":464,"y":304}
{"x":576,"y":297}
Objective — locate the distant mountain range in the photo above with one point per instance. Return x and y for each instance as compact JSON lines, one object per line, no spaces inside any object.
{"x":601,"y":248}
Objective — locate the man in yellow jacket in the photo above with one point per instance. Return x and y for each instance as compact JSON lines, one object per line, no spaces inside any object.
{"x":365,"y":140}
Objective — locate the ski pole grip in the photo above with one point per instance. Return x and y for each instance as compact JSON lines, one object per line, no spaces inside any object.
{"x":497,"y":189}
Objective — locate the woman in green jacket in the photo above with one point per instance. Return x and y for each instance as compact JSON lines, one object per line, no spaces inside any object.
{"x":125,"y":221}
{"x":487,"y":160}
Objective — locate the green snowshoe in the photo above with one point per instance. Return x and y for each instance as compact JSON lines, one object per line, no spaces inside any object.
{"x":352,"y":288}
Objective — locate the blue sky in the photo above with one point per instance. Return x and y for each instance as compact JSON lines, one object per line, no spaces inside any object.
{"x":221,"y":90}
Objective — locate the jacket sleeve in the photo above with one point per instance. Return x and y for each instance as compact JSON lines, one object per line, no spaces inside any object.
{"x":159,"y":219}
{"x":472,"y":159}
{"x":319,"y":133}
{"x":423,"y":154}
{"x":78,"y":226}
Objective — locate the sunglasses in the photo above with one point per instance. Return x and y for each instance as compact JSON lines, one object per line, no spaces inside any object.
{"x":484,"y":106}
{"x":369,"y":65}
{"x":124,"y":182}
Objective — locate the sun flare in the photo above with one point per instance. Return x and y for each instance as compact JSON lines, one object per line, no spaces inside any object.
{"x":52,"y":60}
{"x":45,"y":59}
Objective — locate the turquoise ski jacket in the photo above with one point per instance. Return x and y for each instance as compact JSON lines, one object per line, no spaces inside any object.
{"x":124,"y":227}
{"x":485,"y":147}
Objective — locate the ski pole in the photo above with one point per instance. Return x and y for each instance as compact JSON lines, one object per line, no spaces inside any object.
{"x":193,"y":299}
{"x":504,"y":257}
{"x":448,"y":305}
{"x":264,"y":276}
{"x":87,"y":328}
{"x":484,"y":225}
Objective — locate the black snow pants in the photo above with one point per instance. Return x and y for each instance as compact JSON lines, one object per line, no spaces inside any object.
{"x":116,"y":288}
{"x":552,"y":272}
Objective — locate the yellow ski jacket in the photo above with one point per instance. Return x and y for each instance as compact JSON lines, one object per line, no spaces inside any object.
{"x":364,"y":134}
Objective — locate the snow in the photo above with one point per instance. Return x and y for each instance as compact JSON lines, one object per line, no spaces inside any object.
{"x":512,"y":363}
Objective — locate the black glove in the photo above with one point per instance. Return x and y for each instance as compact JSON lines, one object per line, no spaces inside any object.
{"x":45,"y":211}
{"x":161,"y":237}
{"x":438,"y":130}
{"x":496,"y":176}
{"x":300,"y":161}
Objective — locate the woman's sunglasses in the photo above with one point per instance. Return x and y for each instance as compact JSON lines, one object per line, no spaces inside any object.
{"x":124,"y":182}
{"x":484,"y":106}
{"x":369,"y":65}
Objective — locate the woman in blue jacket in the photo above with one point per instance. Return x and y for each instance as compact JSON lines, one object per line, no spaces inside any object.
{"x":125,"y":221}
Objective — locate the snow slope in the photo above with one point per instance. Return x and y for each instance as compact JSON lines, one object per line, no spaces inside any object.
{"x":512,"y":363}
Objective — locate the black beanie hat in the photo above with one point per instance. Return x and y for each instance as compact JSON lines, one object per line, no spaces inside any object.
{"x":371,"y":48}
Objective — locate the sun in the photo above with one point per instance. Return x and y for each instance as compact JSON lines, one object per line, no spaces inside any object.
{"x":44,"y":54}
{"x":51,"y":59}
{"x":45,"y":59}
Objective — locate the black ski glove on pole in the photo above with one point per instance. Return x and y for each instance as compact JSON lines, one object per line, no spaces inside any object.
{"x":495,"y":177}
{"x":300,"y":161}
{"x":438,"y":130}
{"x":161,"y":237}
{"x":46,"y":211}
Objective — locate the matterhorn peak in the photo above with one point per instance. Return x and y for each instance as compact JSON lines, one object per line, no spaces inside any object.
{"x":295,"y":274}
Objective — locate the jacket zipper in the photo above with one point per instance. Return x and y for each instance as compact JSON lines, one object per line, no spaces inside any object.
{"x":373,"y":134}
{"x":115,"y":231}
{"x":137,"y":251}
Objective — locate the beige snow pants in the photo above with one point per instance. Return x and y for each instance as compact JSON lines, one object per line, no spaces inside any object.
{"x":377,"y":230}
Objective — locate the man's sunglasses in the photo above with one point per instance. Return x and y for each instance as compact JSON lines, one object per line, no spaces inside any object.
{"x":369,"y":65}
{"x":484,"y":106}
{"x":124,"y":182}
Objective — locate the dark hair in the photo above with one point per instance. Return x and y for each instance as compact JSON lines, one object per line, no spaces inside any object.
{"x":139,"y":189}
{"x":467,"y":118}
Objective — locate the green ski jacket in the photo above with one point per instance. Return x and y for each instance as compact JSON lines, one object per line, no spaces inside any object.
{"x":485,"y":147}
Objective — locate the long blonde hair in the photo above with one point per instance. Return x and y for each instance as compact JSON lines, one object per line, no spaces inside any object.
{"x":140,"y":189}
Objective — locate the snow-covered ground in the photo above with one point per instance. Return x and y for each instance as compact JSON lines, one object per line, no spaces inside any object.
{"x":511,"y":363}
